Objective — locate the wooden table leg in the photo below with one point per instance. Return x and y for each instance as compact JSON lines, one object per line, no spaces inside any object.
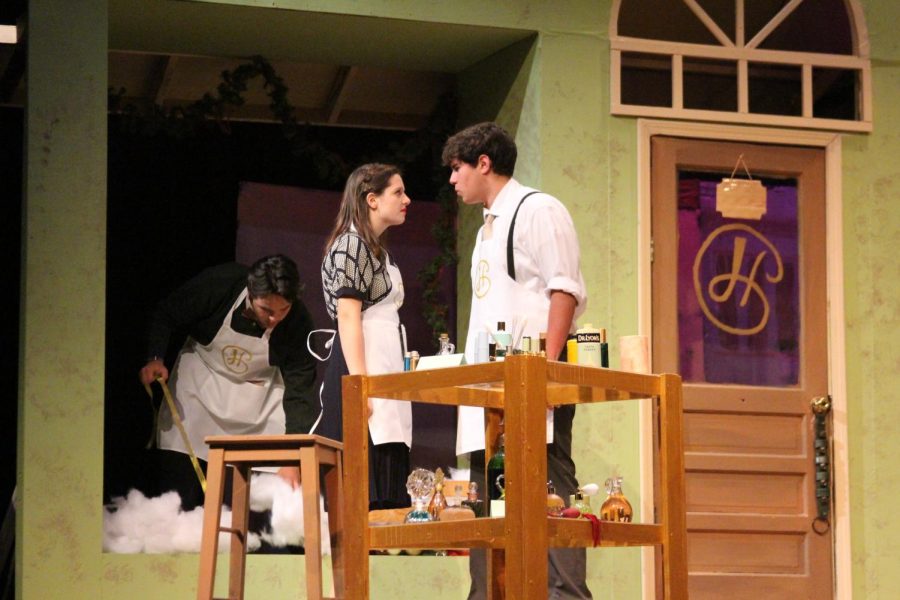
{"x":525,"y":523}
{"x":212,"y":509}
{"x":240,"y":517}
{"x":356,"y":502}
{"x":672,"y":494}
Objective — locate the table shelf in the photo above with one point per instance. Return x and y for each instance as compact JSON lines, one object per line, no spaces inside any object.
{"x":520,"y":389}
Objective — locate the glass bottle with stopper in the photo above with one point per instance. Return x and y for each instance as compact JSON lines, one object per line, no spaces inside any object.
{"x":445,"y":346}
{"x":419,"y":485}
{"x":616,"y":507}
{"x":438,"y":501}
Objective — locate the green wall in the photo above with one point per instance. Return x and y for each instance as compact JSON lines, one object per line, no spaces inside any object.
{"x":871,"y":220}
{"x":60,"y":433}
{"x":552,"y":91}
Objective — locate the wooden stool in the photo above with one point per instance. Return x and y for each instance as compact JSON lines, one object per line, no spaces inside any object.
{"x":244,"y":452}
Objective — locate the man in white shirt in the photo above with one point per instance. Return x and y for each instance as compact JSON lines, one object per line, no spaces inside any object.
{"x":525,"y":269}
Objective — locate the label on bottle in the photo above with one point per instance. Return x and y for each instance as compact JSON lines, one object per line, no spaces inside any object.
{"x":588,"y":343}
{"x":498,"y":508}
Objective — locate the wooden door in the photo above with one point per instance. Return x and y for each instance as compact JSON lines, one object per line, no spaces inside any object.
{"x":739,"y":310}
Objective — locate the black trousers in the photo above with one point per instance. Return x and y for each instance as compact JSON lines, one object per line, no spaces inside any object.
{"x":388,"y":463}
{"x":566,"y":567}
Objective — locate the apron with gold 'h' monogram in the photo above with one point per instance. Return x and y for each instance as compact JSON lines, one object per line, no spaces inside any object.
{"x":226,"y":387}
{"x":495,"y":297}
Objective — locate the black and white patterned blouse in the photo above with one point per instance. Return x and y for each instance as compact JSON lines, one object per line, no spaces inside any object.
{"x":350,"y":270}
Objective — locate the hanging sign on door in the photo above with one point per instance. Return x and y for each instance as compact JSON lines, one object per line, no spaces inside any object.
{"x":741,"y":198}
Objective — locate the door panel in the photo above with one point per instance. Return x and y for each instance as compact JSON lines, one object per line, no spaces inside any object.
{"x":739,"y":311}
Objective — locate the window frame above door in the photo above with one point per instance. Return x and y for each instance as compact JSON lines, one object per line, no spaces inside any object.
{"x":745,"y":53}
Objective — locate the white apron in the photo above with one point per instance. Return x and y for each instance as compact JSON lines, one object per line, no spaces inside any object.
{"x":495,"y":297}
{"x":227,"y":387}
{"x":391,"y":420}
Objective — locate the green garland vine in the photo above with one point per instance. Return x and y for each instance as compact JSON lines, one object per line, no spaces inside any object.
{"x":212,"y":111}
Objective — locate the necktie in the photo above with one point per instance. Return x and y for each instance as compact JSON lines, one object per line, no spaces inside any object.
{"x":488,"y":230}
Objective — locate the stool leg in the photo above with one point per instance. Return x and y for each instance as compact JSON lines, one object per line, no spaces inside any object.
{"x":240,"y":515}
{"x":334,"y":491}
{"x":312,"y":528}
{"x":212,"y":510}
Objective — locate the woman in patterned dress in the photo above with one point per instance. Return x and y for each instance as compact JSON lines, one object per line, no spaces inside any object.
{"x":363,"y":291}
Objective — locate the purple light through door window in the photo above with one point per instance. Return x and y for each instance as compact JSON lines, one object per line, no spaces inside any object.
{"x":738,"y":319}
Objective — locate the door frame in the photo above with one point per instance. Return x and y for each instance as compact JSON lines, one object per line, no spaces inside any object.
{"x":837,"y":375}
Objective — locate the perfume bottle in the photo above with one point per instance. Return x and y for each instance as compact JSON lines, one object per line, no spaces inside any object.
{"x":555,"y":503}
{"x":445,"y":346}
{"x":438,"y":501}
{"x":582,"y":502}
{"x":616,"y":507}
{"x":472,"y":501}
{"x":419,"y":484}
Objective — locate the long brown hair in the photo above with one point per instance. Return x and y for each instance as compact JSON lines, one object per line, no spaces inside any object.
{"x":372,"y":178}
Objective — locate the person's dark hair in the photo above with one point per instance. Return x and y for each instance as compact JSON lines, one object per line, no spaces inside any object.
{"x":484,"y":138}
{"x":276,"y":274}
{"x":372,"y":178}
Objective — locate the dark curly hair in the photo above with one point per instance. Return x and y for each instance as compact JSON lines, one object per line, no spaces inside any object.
{"x":276,"y":274}
{"x":484,"y":138}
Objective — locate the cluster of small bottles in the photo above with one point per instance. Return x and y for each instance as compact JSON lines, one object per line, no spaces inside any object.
{"x":411,"y":358}
{"x":426,"y":486}
{"x":588,"y":346}
{"x":499,"y":344}
{"x":615,"y":508}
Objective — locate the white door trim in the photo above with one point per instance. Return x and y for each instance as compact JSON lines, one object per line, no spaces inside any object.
{"x":837,"y":376}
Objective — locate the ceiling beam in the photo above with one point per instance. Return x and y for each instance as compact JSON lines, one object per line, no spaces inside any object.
{"x":338,"y":94}
{"x":162,"y":80}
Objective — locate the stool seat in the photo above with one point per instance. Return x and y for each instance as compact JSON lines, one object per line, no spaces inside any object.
{"x":242,"y":453}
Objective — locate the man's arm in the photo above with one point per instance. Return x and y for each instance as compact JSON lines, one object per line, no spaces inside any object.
{"x":557,"y":257}
{"x":562,"y":311}
{"x":196,"y":307}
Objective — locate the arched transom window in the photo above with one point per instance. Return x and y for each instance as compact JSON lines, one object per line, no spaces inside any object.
{"x":789,"y":63}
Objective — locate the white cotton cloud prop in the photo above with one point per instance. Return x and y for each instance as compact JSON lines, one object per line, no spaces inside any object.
{"x":136,"y":524}
{"x":270,"y":492}
{"x":158,"y":525}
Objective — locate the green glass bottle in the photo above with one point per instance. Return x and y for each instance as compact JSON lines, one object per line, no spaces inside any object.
{"x":495,"y":468}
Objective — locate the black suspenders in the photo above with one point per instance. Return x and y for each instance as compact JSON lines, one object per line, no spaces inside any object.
{"x":510,"y":261}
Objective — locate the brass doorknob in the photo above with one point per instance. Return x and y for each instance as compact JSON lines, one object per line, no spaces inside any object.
{"x":820,"y":404}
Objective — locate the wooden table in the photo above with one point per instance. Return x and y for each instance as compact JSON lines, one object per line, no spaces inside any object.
{"x":520,"y":389}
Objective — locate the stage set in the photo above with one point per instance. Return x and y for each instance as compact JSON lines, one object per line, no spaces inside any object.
{"x":725,"y":166}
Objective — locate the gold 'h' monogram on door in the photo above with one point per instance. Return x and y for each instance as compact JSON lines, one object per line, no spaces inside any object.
{"x":735,"y":276}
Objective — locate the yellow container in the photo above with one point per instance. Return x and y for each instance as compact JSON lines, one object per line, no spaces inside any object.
{"x":572,"y":351}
